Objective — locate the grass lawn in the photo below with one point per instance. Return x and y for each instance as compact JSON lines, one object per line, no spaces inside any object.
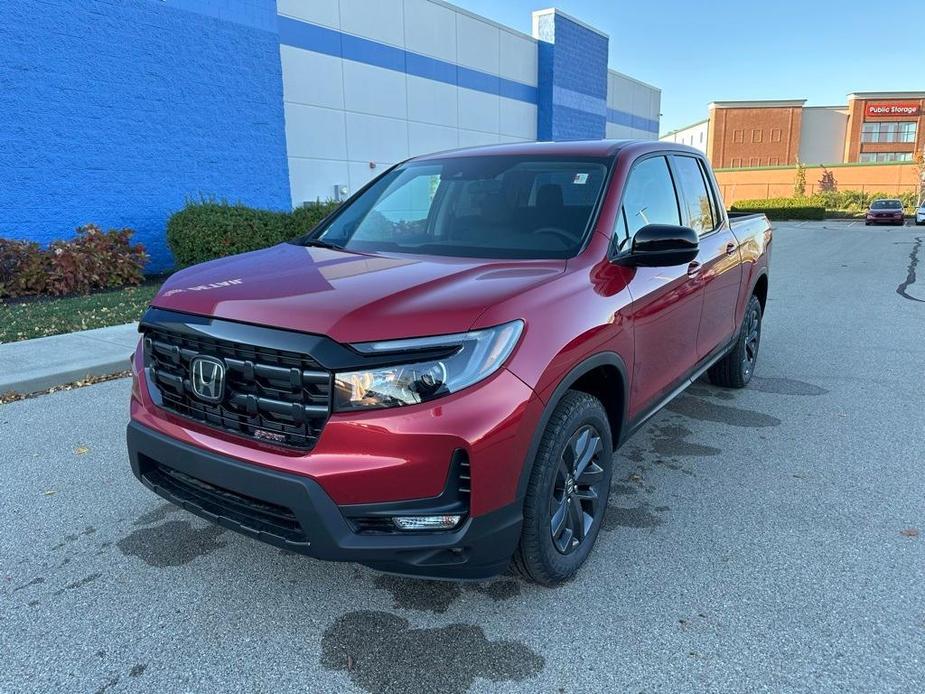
{"x":24,"y":319}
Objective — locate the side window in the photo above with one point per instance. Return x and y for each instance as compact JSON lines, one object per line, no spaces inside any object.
{"x":649,"y":197}
{"x":698,"y":204}
{"x":718,"y":213}
{"x":620,"y":232}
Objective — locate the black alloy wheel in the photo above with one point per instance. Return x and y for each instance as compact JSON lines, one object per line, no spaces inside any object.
{"x":575,"y":499}
{"x":735,"y":369}
{"x":567,"y":491}
{"x":752,"y":338}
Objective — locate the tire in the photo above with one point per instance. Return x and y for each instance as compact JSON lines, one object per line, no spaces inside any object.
{"x":867,"y":224}
{"x":736,"y":368}
{"x":555,"y":494}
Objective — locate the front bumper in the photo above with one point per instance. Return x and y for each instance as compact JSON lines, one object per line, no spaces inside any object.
{"x":293,"y":512}
{"x":884,"y":220}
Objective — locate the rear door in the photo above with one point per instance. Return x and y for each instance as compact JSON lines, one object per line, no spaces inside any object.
{"x":719,"y":270}
{"x":666,"y":300}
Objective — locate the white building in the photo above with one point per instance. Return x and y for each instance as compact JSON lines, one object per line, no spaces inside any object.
{"x":368,"y":84}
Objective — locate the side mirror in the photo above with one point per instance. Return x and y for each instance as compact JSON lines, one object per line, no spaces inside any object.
{"x":662,"y":245}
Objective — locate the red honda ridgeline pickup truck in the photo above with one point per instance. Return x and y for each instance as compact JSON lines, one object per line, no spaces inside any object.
{"x":434,"y":380}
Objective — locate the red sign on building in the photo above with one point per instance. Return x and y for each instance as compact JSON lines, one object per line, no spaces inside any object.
{"x":893,"y":109}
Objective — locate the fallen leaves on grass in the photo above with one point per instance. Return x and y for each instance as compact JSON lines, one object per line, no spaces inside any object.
{"x":43,"y":316}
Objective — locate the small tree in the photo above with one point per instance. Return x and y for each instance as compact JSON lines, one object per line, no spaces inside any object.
{"x":827,"y":184}
{"x":799,"y":185}
{"x":920,"y":170}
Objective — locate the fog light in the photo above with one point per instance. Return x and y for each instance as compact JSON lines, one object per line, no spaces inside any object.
{"x":445,"y":522}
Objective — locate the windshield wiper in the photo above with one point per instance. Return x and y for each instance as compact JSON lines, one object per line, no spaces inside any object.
{"x":321,"y":243}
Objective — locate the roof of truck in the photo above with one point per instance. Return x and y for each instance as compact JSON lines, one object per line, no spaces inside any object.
{"x":574,"y":148}
{"x":578,"y":148}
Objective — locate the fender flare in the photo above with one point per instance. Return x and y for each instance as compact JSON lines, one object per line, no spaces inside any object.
{"x":763,"y":272}
{"x":565,"y":384}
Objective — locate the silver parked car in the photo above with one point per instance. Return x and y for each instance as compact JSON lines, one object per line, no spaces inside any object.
{"x":920,"y":213}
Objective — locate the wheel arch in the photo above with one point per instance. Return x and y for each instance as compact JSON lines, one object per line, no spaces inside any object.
{"x":760,"y":289}
{"x":604,"y":376}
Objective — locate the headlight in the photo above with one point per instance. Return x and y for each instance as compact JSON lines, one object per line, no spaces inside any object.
{"x":473,"y":357}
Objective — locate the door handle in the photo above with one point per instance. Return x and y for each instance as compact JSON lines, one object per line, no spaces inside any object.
{"x":693,"y":269}
{"x":730,"y":248}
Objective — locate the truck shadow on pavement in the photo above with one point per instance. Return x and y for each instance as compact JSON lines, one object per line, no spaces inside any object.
{"x":666,"y":443}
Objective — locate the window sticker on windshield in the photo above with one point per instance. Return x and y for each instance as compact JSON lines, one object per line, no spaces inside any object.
{"x":580,"y":179}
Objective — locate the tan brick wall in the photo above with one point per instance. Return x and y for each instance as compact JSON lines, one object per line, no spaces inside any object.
{"x":754,"y":136}
{"x":744,"y":184}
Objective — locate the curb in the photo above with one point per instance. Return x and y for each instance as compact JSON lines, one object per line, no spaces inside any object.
{"x":30,"y":366}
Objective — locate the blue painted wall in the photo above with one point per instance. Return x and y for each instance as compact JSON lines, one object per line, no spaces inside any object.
{"x":572,"y":65}
{"x":117,"y":111}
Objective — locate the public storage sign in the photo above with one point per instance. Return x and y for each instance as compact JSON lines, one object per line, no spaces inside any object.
{"x":902,"y":109}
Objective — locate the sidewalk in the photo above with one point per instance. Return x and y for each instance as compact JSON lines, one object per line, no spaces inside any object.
{"x":33,"y":365}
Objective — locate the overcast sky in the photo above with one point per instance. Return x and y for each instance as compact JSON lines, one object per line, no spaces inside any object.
{"x":698,"y":51}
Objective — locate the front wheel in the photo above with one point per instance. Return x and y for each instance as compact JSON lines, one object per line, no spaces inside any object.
{"x":567,"y":491}
{"x":736,"y":368}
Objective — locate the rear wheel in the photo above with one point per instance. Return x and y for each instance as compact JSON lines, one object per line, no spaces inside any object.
{"x":567,"y":491}
{"x":736,"y":368}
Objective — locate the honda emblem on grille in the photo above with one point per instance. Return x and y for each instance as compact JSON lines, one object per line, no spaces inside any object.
{"x":208,"y":378}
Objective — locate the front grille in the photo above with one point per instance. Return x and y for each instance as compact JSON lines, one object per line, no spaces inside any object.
{"x":273,"y":396}
{"x":252,"y":514}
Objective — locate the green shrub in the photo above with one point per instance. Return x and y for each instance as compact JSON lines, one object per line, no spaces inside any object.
{"x":782,"y":208}
{"x":857,"y":201}
{"x":205,"y":230}
{"x":92,"y":260}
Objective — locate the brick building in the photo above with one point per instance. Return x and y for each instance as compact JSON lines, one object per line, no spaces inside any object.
{"x":874,"y":128}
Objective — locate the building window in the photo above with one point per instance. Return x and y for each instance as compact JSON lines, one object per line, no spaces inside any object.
{"x":754,"y":161}
{"x":884,"y":157}
{"x":889,"y":131}
{"x":773,"y":161}
{"x":738,"y":136}
{"x":701,"y":137}
{"x":775,"y":134}
{"x":756,"y":136}
{"x":736,"y":163}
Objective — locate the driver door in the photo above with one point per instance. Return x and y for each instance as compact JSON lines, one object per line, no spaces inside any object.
{"x":667,"y":301}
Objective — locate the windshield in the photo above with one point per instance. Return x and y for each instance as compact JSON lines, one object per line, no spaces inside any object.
{"x":476,"y":207}
{"x":886,"y":205}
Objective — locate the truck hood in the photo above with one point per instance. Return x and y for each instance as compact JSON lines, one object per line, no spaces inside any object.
{"x":351,"y":297}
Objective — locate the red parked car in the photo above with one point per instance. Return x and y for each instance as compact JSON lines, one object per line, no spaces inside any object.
{"x":885,"y":212}
{"x":435,"y":379}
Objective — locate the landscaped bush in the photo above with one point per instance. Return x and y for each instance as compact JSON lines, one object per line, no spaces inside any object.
{"x":782,"y":208}
{"x":205,"y":230}
{"x":856,"y":201}
{"x":839,"y":203}
{"x":92,"y":260}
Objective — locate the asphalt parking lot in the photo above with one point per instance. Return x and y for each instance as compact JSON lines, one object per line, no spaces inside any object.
{"x":759,"y":540}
